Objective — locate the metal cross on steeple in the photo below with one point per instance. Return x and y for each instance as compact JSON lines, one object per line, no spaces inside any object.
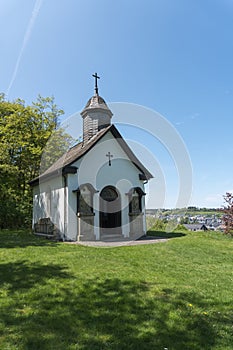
{"x":96,"y":83}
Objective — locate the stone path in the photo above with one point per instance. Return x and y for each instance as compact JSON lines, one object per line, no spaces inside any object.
{"x":144,"y":240}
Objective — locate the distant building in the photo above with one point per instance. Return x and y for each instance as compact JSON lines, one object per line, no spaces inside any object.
{"x":196,"y":227}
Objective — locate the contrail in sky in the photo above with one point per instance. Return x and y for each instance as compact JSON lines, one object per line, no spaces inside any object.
{"x":27,"y":35}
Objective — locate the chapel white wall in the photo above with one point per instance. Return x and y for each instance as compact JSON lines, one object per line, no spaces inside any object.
{"x":55,"y":210}
{"x":93,"y":168}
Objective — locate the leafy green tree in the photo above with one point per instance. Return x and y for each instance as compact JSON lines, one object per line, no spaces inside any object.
{"x":24,"y":133}
{"x":159,"y":225}
{"x":184,"y":220}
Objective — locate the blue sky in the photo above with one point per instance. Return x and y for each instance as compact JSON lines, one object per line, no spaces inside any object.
{"x":174,"y":57}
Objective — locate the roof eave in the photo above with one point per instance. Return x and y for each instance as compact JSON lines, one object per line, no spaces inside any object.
{"x":96,"y":109}
{"x":62,"y":171}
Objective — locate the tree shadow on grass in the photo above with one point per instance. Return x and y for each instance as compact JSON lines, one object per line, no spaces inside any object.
{"x":22,"y":239}
{"x":51,"y":309}
{"x":20,"y":276}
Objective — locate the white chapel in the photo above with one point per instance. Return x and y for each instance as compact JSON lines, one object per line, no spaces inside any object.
{"x":95,"y":191}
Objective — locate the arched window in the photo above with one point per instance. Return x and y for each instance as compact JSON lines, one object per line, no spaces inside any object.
{"x":135,"y":200}
{"x":85,"y":200}
{"x":85,"y":194}
{"x":109,"y":194}
{"x":135,"y":203}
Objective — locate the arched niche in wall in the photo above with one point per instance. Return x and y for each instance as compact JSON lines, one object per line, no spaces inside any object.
{"x":135,"y":212}
{"x":85,"y":193}
{"x":135,"y":200}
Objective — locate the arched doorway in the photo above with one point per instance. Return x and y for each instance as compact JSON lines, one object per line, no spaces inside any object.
{"x":110,"y":211}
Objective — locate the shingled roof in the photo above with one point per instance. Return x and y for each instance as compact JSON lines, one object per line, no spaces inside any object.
{"x":64,"y":164}
{"x":96,"y":102}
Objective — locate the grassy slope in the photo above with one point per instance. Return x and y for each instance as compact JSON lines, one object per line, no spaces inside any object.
{"x":175,"y":295}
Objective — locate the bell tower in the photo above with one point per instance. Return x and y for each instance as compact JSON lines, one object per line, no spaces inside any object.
{"x":96,"y":114}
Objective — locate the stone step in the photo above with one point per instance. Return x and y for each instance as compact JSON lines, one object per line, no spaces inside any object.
{"x":112,"y":237}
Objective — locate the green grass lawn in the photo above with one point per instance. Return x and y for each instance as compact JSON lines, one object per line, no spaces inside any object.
{"x":175,"y":295}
